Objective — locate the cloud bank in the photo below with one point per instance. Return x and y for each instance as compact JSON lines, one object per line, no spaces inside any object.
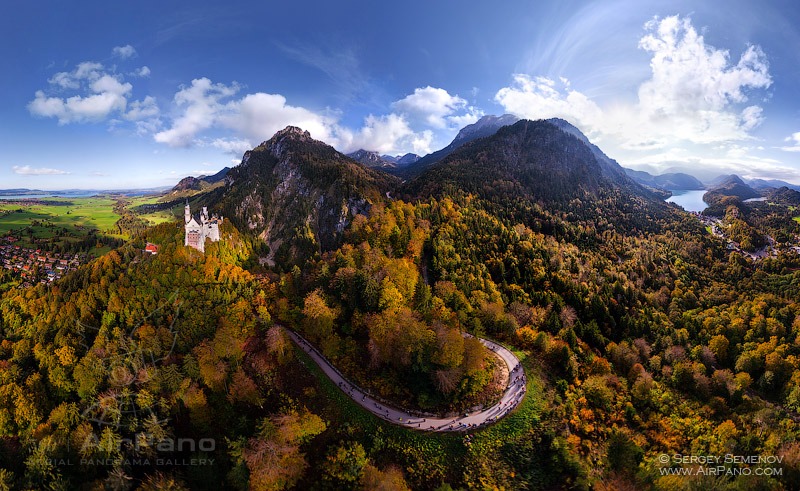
{"x":695,"y":94}
{"x":27,"y":170}
{"x":204,"y":105}
{"x":99,"y":94}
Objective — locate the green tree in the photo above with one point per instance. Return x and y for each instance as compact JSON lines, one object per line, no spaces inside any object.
{"x":345,"y":463}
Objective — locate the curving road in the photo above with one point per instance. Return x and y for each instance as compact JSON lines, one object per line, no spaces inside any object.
{"x":514,"y":393}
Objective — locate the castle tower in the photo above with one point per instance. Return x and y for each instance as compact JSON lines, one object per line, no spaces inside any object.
{"x":196,"y":233}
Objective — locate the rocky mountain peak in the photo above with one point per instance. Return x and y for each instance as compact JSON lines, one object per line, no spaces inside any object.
{"x":371,"y":159}
{"x":292,"y":132}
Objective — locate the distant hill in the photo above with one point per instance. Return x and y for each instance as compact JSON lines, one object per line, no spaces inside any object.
{"x":762,"y":184}
{"x":20,"y":191}
{"x":201,"y":183}
{"x":82,"y":192}
{"x":402,"y":160}
{"x":672,"y":181}
{"x":486,"y":126}
{"x":372,"y":159}
{"x":731,"y":186}
{"x":216,"y":177}
{"x":784,"y":196}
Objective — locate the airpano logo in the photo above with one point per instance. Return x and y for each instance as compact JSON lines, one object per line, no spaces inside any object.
{"x":138,"y":351}
{"x":123,"y":424}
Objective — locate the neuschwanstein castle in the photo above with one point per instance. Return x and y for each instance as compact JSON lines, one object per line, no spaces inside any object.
{"x":197,"y":233}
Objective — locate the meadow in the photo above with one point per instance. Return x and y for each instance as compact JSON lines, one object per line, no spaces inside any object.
{"x":59,"y":221}
{"x":156,"y":217}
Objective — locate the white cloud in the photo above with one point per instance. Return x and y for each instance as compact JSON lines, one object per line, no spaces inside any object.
{"x":390,"y":133}
{"x":142,"y":72}
{"x":430,"y":106}
{"x":695,"y":85}
{"x":459,"y":121}
{"x":147,"y":108}
{"x":206,"y":106}
{"x":77,"y":109}
{"x":692,"y":96}
{"x":200,"y":104}
{"x":421,"y":142}
{"x":27,"y":170}
{"x":688,"y":75}
{"x":104,"y":94}
{"x":379,"y":134}
{"x":540,"y":98}
{"x":65,"y":81}
{"x":109,"y":84}
{"x":88,"y":70}
{"x":259,"y":116}
{"x":235,"y":146}
{"x":795,"y":143}
{"x":124,"y":52}
{"x":752,"y":117}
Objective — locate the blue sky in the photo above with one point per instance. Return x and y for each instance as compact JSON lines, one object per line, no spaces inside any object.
{"x":139,"y":94}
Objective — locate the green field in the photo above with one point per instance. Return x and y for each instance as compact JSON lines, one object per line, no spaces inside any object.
{"x":157,"y":217}
{"x":54,"y":221}
{"x":67,"y":217}
{"x":93,"y":212}
{"x":63,"y":219}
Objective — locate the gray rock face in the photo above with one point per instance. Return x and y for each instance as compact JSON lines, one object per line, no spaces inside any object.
{"x":298,"y":194}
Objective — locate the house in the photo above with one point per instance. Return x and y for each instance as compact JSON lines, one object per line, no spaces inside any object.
{"x":151,"y":248}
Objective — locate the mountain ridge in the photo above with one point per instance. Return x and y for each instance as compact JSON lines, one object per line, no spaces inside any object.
{"x":540,"y":162}
{"x":298,"y":194}
{"x":485,"y":126}
{"x":670,"y":181}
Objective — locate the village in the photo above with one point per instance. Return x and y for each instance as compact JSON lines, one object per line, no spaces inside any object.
{"x":717,"y":229}
{"x":36,"y":265}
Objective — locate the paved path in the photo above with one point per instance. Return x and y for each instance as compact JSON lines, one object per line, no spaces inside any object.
{"x":515,"y":391}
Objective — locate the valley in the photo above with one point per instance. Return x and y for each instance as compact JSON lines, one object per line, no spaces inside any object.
{"x":626,"y":327}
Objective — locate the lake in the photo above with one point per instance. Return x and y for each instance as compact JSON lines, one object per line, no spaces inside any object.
{"x":691,"y":200}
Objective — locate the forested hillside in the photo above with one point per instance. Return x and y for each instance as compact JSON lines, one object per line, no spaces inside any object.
{"x":642,"y":335}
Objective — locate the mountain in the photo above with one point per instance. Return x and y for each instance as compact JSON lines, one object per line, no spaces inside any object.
{"x":609,"y":166}
{"x":407,"y":159}
{"x":201,"y":183}
{"x":486,"y":126}
{"x":188,"y":184}
{"x":543,"y":162}
{"x":729,"y":186}
{"x":784,"y":195}
{"x":762,"y":184}
{"x":298,"y":194}
{"x":757,"y":184}
{"x":402,"y":160}
{"x":670,"y":181}
{"x":372,"y":159}
{"x":20,"y":191}
{"x":216,"y":177}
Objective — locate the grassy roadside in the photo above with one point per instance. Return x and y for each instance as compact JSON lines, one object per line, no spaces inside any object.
{"x":430,"y":459}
